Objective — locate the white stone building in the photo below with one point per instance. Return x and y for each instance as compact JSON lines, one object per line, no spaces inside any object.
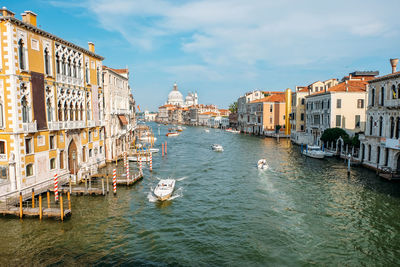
{"x":380,"y":146}
{"x":117,"y":111}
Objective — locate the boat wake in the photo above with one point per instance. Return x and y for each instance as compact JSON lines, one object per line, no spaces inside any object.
{"x":152,"y":198}
{"x":177,"y":179}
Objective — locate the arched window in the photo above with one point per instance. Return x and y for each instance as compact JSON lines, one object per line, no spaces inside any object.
{"x":81,"y":112}
{"x":78,"y":71}
{"x":88,"y":111}
{"x":74,"y":69}
{"x":398,"y":90}
{"x":21,"y":53}
{"x":46,"y":61}
{"x":57,"y":63}
{"x":394,"y":92}
{"x":370,"y":125}
{"x":65,"y":111}
{"x":369,"y":152}
{"x":29,"y":169}
{"x":76,"y":112}
{"x":64,"y":70}
{"x":69,"y":67}
{"x":373,"y":97}
{"x":25,"y":109}
{"x":391,"y":127}
{"x":49,"y":110}
{"x":398,"y":128}
{"x":87,"y":72}
{"x":380,"y":125}
{"x":382,"y":96}
{"x":60,"y":112}
{"x":71,"y":112}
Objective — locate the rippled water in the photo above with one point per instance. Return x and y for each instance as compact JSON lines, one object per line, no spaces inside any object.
{"x":226,"y":212}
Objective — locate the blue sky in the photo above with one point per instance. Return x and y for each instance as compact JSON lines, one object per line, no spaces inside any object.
{"x":223,"y":48}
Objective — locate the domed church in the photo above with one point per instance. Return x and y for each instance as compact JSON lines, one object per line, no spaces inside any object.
{"x":176,"y":98}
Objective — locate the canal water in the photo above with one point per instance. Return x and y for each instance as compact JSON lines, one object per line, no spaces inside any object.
{"x":225,"y":212}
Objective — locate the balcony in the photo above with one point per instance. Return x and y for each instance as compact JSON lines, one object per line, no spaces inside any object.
{"x":391,"y":143}
{"x":70,"y":125}
{"x":69,"y":80}
{"x":90,"y":123}
{"x":55,"y":125}
{"x":29,"y":127}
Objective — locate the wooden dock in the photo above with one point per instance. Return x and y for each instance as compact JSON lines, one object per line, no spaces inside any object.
{"x":129,"y":182}
{"x":35,"y":212}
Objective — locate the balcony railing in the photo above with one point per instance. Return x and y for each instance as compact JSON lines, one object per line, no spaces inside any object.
{"x":29,"y":127}
{"x":55,"y":125}
{"x":90,"y":123}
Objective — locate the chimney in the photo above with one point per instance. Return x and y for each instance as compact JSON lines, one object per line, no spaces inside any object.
{"x":29,"y":17}
{"x":6,"y":13}
{"x":393,"y":62}
{"x":91,"y":47}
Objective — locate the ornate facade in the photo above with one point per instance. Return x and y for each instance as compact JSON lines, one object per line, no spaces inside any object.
{"x":51,"y":106}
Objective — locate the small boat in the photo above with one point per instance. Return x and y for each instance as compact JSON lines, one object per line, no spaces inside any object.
{"x":154,"y":150}
{"x":170,"y":134}
{"x":235,"y":131}
{"x":314,"y":152}
{"x":328,"y":153}
{"x":217,"y":148}
{"x":164,"y":189}
{"x":262,"y":164}
{"x":148,"y":139}
{"x":136,"y":158}
{"x":207,"y":131}
{"x":179,"y":129}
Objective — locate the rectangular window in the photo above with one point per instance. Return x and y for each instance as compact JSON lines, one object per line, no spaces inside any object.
{"x":28,"y":146}
{"x":29,"y":170}
{"x":52,"y":164}
{"x":84,"y":154}
{"x":339,"y":103}
{"x":357,"y":120}
{"x":270,"y":120}
{"x":52,"y":142}
{"x":302,"y":117}
{"x":90,"y":153}
{"x":302,"y":127}
{"x":3,"y":174}
{"x":338,"y":120}
{"x":90,"y":136}
{"x":360,"y":103}
{"x":302,"y":101}
{"x":2,"y":147}
{"x":62,"y":159}
{"x":270,"y":108}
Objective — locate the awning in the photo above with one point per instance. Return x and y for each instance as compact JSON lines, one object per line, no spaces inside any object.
{"x":123,"y":119}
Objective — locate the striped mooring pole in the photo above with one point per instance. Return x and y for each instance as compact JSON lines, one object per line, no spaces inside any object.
{"x":115,"y":180}
{"x":126,"y":166}
{"x":151,"y":162}
{"x":56,"y":187}
{"x":140,"y":163}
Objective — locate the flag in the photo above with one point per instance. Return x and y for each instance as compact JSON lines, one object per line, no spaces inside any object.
{"x":138,"y":108}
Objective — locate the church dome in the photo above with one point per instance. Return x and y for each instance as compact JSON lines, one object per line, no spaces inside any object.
{"x":175,"y":97}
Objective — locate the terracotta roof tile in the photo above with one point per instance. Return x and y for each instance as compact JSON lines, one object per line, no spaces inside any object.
{"x":280,"y":97}
{"x":350,"y":86}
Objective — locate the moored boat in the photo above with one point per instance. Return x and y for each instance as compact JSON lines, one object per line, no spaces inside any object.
{"x":314,"y":152}
{"x":164,"y":189}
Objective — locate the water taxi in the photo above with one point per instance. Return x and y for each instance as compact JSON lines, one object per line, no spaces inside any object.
{"x":170,"y":134}
{"x":164,"y":189}
{"x":262,"y":164}
{"x":179,"y":129}
{"x":217,"y":148}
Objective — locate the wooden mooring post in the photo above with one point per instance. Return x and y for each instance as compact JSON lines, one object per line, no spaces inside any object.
{"x":61,"y":206}
{"x":48,"y":199}
{"x":33,"y":198}
{"x":102,"y":186}
{"x":108,"y":186}
{"x":40,"y":207}
{"x":69,"y":201}
{"x":20,"y":205}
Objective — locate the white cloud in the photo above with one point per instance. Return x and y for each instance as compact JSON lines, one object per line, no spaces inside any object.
{"x":237,"y":35}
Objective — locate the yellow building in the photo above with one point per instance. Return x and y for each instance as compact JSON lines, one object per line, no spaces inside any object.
{"x":50,"y":105}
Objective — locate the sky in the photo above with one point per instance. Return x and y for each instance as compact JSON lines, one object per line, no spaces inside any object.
{"x":224,"y":48}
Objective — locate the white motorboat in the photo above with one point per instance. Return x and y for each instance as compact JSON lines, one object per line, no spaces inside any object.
{"x":136,"y":158}
{"x":235,"y":131}
{"x":328,"y":153}
{"x":154,"y":150}
{"x":164,"y":189}
{"x":314,"y":152}
{"x":171,"y":134}
{"x":206,"y":130}
{"x":217,"y":148}
{"x":148,"y":139}
{"x":262,"y":164}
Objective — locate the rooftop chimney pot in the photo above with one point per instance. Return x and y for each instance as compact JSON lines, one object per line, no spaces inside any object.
{"x":91,"y":47}
{"x":29,"y":17}
{"x":393,"y":62}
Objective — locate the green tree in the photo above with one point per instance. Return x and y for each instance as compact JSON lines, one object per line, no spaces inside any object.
{"x":333,"y":134}
{"x":277,"y":128}
{"x":233,"y":107}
